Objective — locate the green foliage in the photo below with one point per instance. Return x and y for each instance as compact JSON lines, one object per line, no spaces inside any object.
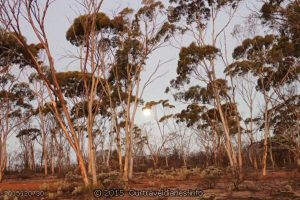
{"x":285,"y":116}
{"x":271,"y":59}
{"x":81,"y":27}
{"x":12,"y":51}
{"x":195,"y":11}
{"x":32,"y":132}
{"x":283,"y":16}
{"x":164,"y":103}
{"x":15,"y":97}
{"x":203,"y":117}
{"x":189,"y":59}
{"x":191,"y":114}
{"x":195,"y":94}
{"x":72,"y":82}
{"x":80,"y":109}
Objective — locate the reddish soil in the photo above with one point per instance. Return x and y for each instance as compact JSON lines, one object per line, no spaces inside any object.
{"x":275,"y":186}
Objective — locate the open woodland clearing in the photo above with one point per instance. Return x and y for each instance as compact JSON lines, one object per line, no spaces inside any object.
{"x":177,"y":95}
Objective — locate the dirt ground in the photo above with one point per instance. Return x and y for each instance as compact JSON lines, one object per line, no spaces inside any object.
{"x":281,"y":185}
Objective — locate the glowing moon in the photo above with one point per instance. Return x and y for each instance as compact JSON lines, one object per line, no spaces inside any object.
{"x":146,"y":111}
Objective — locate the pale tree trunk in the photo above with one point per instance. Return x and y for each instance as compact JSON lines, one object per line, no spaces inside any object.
{"x":184,"y":160}
{"x":127,"y":156}
{"x":92,"y":158}
{"x":44,"y":144}
{"x":128,"y":136}
{"x":3,"y":157}
{"x":119,"y":150}
{"x":228,"y":144}
{"x":271,"y":156}
{"x":52,"y":154}
{"x":212,"y":77}
{"x":45,"y":156}
{"x":167,"y":161}
{"x":40,"y":100}
{"x":32,"y":158}
{"x":130,"y":175}
{"x":111,"y":136}
{"x":239,"y":134}
{"x":154,"y":159}
{"x":266,"y":136}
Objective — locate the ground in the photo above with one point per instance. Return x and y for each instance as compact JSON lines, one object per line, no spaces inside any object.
{"x":279,"y":185}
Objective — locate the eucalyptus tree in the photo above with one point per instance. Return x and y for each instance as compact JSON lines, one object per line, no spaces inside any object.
{"x":145,"y":31}
{"x":33,"y":13}
{"x":200,"y":60}
{"x":26,"y":137}
{"x":15,"y":95}
{"x":16,"y":109}
{"x":273,"y":59}
{"x":125,"y":43}
{"x":41,"y":95}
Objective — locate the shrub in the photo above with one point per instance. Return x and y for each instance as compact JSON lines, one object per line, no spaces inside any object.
{"x":71,"y":177}
{"x":65,"y":186}
{"x":211,"y":175}
{"x":184,"y":173}
{"x":111,"y":180}
{"x":236,"y":176}
{"x":78,"y":190}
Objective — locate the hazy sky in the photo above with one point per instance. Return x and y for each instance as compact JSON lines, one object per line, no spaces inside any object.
{"x":60,"y":17}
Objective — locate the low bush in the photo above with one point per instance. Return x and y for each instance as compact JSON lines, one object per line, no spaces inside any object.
{"x":111,"y":180}
{"x":211,"y":175}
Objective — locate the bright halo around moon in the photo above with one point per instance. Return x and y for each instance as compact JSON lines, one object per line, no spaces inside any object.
{"x":147,"y":111}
